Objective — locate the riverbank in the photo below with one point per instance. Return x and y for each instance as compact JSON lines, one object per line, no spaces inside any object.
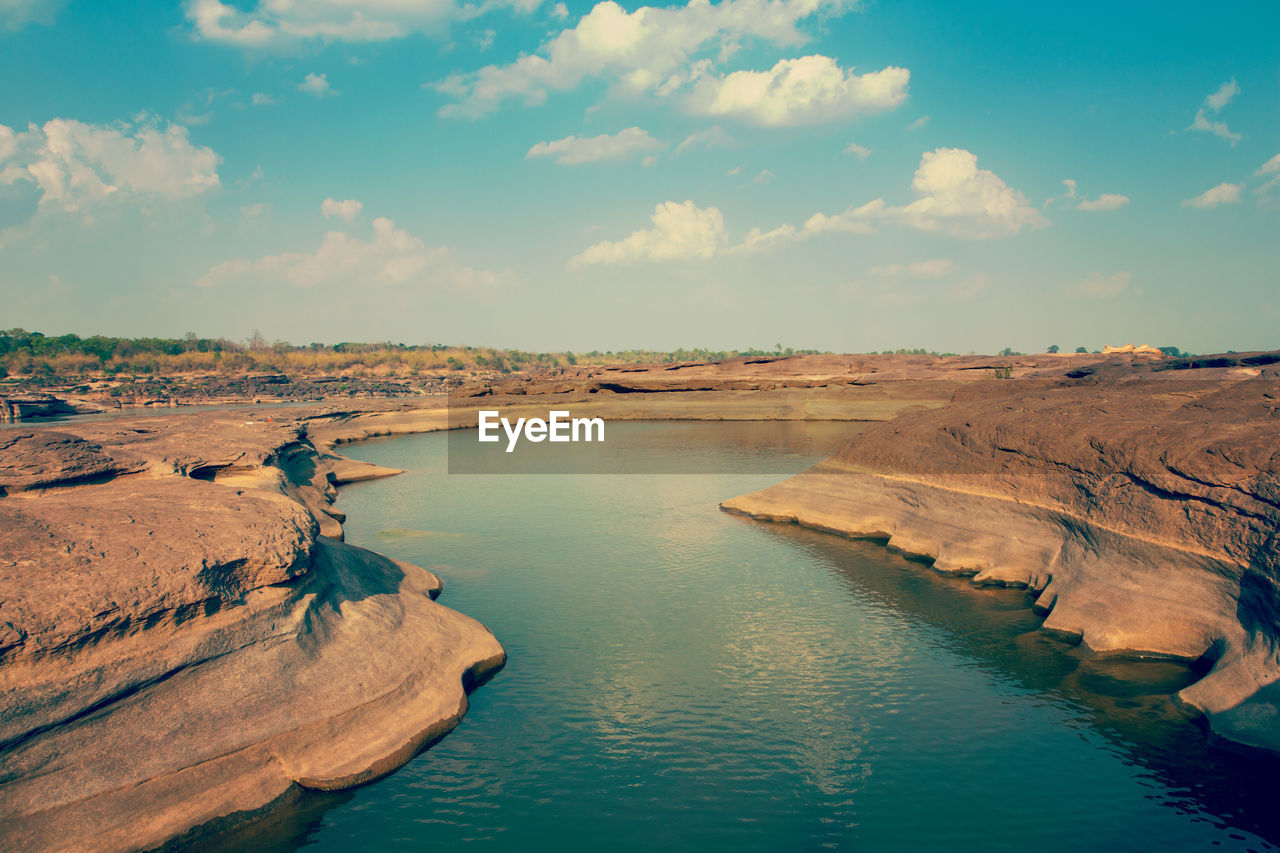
{"x":187,"y":640}
{"x":1139,"y":508}
{"x":176,"y":590}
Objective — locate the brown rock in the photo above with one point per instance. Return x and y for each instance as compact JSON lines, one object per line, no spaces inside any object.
{"x":179,"y":647}
{"x":1142,"y":512}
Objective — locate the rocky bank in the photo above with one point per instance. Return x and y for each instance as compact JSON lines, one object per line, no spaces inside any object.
{"x":1138,"y":502}
{"x":185,"y":639}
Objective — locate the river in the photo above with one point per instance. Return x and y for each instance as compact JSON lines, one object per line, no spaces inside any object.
{"x":683,"y":679}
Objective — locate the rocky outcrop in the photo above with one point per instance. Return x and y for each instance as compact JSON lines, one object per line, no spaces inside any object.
{"x":180,"y":646}
{"x":1140,"y":507}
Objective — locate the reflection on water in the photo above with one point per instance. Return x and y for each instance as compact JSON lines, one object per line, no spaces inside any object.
{"x":684,"y":678}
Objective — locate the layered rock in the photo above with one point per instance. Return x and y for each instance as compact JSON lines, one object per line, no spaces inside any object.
{"x":181,"y":647}
{"x":1140,"y":506}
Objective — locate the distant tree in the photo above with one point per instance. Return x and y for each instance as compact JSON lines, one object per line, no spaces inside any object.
{"x":1007,"y":351}
{"x":1173,"y":351}
{"x":1081,"y":349}
{"x":1053,"y":349}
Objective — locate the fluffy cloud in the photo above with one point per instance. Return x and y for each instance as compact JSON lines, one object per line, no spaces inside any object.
{"x":392,"y":257}
{"x":280,"y":23}
{"x":262,"y":99}
{"x":681,"y":231}
{"x":76,"y":164}
{"x":957,"y":197}
{"x":859,"y":151}
{"x":1221,"y":194}
{"x":347,"y":210}
{"x":623,"y":145}
{"x":808,"y":90}
{"x":954,"y":197}
{"x":1106,"y":201}
{"x":1212,"y":104}
{"x":936,"y":268}
{"x":317,"y":85}
{"x":1100,"y":286}
{"x":649,"y":50}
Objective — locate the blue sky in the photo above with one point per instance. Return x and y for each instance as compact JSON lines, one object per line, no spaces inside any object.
{"x":544,"y":175}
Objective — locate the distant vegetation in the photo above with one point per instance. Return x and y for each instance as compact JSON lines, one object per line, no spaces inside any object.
{"x":53,"y":358}
{"x":63,"y":356}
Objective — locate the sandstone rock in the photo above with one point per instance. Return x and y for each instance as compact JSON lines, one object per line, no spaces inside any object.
{"x":1142,"y":512}
{"x":180,"y":647}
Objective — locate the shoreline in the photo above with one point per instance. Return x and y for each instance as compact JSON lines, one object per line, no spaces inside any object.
{"x":237,"y":553}
{"x":281,"y":611}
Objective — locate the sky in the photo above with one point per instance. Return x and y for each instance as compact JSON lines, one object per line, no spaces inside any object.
{"x":735,"y":174}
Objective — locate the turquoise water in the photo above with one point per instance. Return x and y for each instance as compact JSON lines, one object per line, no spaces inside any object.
{"x":684,"y":679}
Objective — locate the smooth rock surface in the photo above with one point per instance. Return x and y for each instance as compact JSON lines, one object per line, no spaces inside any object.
{"x":1140,"y":507}
{"x":180,"y":647}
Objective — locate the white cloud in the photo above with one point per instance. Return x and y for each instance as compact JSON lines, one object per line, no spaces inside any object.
{"x":1100,"y":286}
{"x":807,"y":90}
{"x":918,"y":123}
{"x":1226,"y":94}
{"x":1066,"y":196}
{"x":712,"y":137}
{"x":954,"y":197}
{"x":764,"y":177}
{"x":855,"y":220}
{"x":859,"y":151}
{"x":1271,"y":167}
{"x":623,"y":145}
{"x":317,"y":85}
{"x":681,"y":231}
{"x":347,"y":210}
{"x":649,"y":50}
{"x":762,"y":241}
{"x":936,"y":268}
{"x":16,"y":14}
{"x":8,"y":142}
{"x":262,"y":99}
{"x":560,"y":11}
{"x":281,"y":23}
{"x":1106,"y":201}
{"x":392,"y":257}
{"x":76,"y":164}
{"x":1223,"y":193}
{"x":1213,"y":103}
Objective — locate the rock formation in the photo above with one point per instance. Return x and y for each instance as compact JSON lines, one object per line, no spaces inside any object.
{"x":1140,"y":506}
{"x":180,"y":646}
